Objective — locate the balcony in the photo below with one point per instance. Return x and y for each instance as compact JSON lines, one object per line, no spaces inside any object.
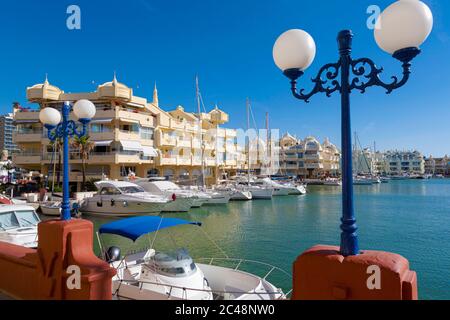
{"x":191,"y":127}
{"x":126,"y":135}
{"x":102,"y":157}
{"x":28,"y":115}
{"x":184,"y":143}
{"x":27,"y":136}
{"x":184,"y":161}
{"x":128,"y":157}
{"x":26,"y":158}
{"x":177,"y":125}
{"x":313,"y":166}
{"x":105,"y":113}
{"x":313,"y":156}
{"x":167,"y":160}
{"x":102,"y":136}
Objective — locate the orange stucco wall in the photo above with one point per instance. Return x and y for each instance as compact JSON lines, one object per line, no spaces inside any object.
{"x":42,"y":273}
{"x":321,"y":273}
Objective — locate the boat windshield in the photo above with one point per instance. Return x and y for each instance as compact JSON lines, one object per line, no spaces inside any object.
{"x":27,"y":218}
{"x":131,"y":189}
{"x":8,"y":221}
{"x":177,"y":264}
{"x":19,"y":219}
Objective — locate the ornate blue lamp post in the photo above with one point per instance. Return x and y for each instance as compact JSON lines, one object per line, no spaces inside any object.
{"x":400,"y":30}
{"x":84,"y":111}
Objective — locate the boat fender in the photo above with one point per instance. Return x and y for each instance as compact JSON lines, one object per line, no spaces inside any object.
{"x":113,"y":202}
{"x":113,"y":254}
{"x":174,"y":197}
{"x":125,"y":203}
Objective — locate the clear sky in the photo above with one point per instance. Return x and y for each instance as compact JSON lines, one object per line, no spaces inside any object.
{"x":229,"y":45}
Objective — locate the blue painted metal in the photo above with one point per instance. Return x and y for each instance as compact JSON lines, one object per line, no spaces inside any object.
{"x":134,"y":228}
{"x":66,"y":129}
{"x":354,"y":74}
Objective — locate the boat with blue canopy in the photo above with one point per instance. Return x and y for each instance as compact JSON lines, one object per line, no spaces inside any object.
{"x":153,"y":275}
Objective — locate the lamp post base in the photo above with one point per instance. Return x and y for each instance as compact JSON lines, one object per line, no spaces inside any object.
{"x":322,"y":273}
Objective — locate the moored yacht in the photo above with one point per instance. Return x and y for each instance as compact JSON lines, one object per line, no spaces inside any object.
{"x":183,"y":200}
{"x":235,"y":193}
{"x":278,"y":189}
{"x":258,"y":192}
{"x":120,"y":198}
{"x":153,"y":275}
{"x":18,"y":225}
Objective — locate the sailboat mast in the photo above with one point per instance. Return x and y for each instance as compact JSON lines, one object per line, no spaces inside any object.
{"x":268,"y":153}
{"x":248,"y":138}
{"x":197,"y":94}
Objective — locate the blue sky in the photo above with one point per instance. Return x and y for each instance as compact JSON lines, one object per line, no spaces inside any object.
{"x":229,"y":45}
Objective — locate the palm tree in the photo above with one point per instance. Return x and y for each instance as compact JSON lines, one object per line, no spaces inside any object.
{"x":85,"y":147}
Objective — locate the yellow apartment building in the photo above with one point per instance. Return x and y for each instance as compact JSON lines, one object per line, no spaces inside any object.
{"x":130,"y":134}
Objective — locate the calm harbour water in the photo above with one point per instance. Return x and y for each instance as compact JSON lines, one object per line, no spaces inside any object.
{"x":411,"y":218}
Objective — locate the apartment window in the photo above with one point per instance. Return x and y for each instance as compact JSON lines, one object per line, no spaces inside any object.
{"x":99,"y":127}
{"x":129,"y":128}
{"x":147,"y":133}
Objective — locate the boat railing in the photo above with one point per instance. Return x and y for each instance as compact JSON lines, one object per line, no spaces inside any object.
{"x":217,"y":294}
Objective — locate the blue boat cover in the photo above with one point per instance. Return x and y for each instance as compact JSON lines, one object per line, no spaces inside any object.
{"x":133,"y":228}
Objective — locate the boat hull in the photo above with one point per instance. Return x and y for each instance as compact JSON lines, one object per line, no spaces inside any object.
{"x":262,"y":194}
{"x":125,"y":208}
{"x":179,"y":205}
{"x":241,"y":196}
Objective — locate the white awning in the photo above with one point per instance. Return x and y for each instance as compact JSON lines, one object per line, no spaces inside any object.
{"x":149,"y":151}
{"x":129,"y":145}
{"x":103,"y":143}
{"x":129,"y":120}
{"x":132,"y":104}
{"x":108,"y":120}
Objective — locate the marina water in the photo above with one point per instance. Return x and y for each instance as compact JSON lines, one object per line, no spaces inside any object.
{"x":410,"y":217}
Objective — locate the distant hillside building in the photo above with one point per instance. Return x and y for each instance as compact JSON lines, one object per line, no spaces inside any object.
{"x":6,"y":133}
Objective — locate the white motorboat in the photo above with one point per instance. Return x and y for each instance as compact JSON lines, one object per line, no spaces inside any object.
{"x":258,"y":192}
{"x":217,"y":197}
{"x":332,"y":182}
{"x":278,"y":189}
{"x":384,"y":179}
{"x":152,"y":275}
{"x":120,"y":198}
{"x":235,"y":194}
{"x":18,"y":225}
{"x":183,"y":200}
{"x":51,"y":208}
{"x":362,"y":181}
